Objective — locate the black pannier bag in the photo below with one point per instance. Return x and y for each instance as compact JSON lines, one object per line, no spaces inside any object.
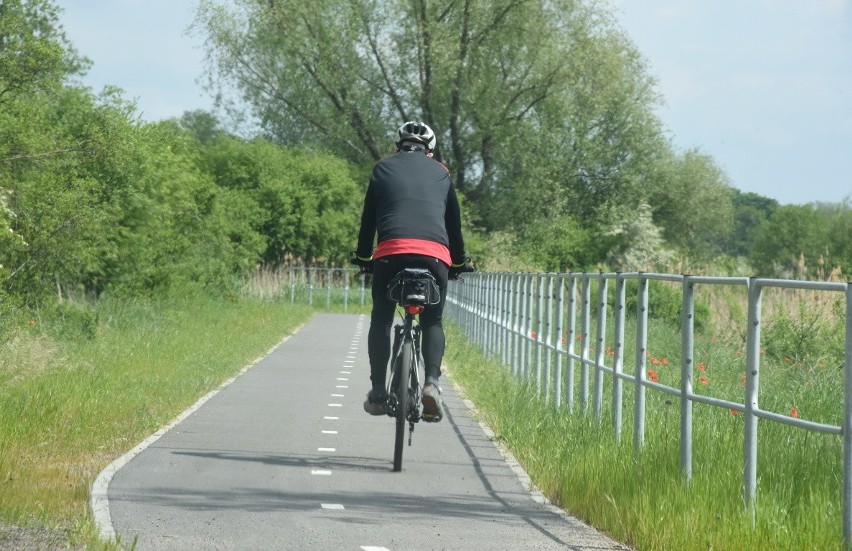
{"x":414,"y":286}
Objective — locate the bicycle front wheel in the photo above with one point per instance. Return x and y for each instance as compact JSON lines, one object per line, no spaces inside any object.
{"x":402,"y":402}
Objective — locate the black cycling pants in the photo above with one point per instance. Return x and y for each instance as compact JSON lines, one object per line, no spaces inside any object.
{"x":382,"y":316}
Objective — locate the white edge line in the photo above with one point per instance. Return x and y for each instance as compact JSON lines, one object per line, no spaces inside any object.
{"x":99,"y":501}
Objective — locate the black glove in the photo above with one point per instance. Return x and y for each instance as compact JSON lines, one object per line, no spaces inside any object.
{"x":365,"y":265}
{"x":456,"y":270}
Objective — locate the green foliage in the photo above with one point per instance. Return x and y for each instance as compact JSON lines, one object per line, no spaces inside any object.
{"x":804,"y":241}
{"x":810,"y":336}
{"x":638,"y":244}
{"x":665,"y":303}
{"x":35,"y":55}
{"x":304,"y":206}
{"x":542,"y":110}
{"x":93,"y":200}
{"x":750,"y":212}
{"x":556,"y":245}
{"x":692,"y":203}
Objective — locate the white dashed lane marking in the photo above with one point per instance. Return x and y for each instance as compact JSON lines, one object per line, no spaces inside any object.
{"x":321,"y":472}
{"x":333,"y":506}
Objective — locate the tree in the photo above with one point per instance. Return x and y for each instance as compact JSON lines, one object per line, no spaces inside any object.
{"x":639,"y":243}
{"x":203,"y":125}
{"x":804,"y":241}
{"x":692,"y":203}
{"x":35,"y":55}
{"x":490,"y":77}
{"x":750,"y":212}
{"x":303,"y":206}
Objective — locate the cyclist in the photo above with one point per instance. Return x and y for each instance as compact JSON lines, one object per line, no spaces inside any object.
{"x":412,"y":205}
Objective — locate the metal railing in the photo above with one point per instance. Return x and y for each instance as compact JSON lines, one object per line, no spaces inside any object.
{"x":529,"y":321}
{"x":331,"y":287}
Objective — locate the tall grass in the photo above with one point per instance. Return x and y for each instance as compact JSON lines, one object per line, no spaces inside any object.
{"x":643,"y":498}
{"x":70,"y":404}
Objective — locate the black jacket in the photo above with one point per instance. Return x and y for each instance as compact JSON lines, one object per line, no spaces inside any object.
{"x":411,"y":196}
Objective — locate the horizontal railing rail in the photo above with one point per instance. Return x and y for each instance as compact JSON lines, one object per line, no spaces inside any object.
{"x":533,"y":322}
{"x":309,"y":285}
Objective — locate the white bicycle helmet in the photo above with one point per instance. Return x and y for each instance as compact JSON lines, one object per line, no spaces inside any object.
{"x":419,"y":132}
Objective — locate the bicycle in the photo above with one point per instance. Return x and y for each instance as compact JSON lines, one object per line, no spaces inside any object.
{"x":413,"y":289}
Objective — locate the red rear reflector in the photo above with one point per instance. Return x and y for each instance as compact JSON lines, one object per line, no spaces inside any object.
{"x":414,"y":309}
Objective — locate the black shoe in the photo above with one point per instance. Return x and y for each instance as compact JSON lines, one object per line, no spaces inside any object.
{"x":375,"y":402}
{"x":432,"y":405}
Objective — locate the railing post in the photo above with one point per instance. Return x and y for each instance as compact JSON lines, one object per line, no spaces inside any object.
{"x":528,"y":351}
{"x":539,"y":336}
{"x":618,"y":353}
{"x":560,"y":329}
{"x":516,"y":325}
{"x":751,"y":396}
{"x":506,"y":316}
{"x":345,"y":290}
{"x":686,"y":352}
{"x":329,"y":282}
{"x":488,"y":310}
{"x":600,"y":345}
{"x":571,"y":339}
{"x":584,"y":362}
{"x":641,"y":359}
{"x":497,"y":319}
{"x":548,"y":340}
{"x":847,"y":426}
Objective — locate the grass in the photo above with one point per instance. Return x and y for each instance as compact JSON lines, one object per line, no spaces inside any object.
{"x":69,"y":406}
{"x":643,"y":498}
{"x":73,"y":400}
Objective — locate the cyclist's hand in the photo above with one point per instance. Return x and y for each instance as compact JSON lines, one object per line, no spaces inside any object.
{"x":457,"y":269}
{"x":365,"y":265}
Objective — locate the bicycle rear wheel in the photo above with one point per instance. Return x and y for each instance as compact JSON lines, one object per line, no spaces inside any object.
{"x":405,"y":361}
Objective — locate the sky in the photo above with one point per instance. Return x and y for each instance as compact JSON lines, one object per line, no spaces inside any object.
{"x":762,"y":86}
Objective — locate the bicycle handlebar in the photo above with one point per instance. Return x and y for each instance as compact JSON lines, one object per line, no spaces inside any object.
{"x":365,"y":267}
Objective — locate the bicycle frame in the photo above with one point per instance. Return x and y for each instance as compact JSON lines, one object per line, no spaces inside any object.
{"x":408,"y":332}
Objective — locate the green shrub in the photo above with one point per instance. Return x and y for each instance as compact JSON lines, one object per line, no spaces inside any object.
{"x":664,"y":303}
{"x":809,"y":336}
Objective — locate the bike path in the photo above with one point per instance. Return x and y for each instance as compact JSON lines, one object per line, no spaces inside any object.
{"x":284,"y":457}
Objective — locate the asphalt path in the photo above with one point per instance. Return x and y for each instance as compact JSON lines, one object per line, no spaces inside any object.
{"x":284,"y":457}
